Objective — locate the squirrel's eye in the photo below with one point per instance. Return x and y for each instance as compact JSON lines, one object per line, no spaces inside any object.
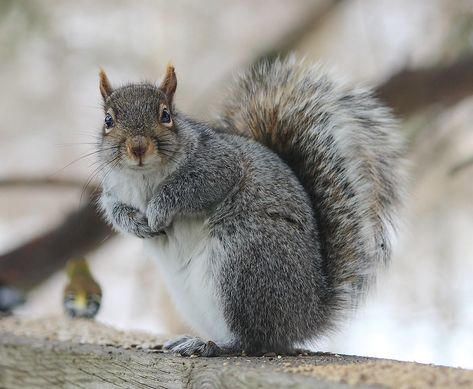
{"x":108,"y":121}
{"x":165,"y":116}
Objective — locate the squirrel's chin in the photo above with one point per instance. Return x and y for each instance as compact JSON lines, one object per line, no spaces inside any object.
{"x":138,"y":165}
{"x":138,"y":168}
{"x":143,"y":168}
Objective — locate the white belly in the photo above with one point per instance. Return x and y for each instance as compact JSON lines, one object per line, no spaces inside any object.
{"x":189,"y":261}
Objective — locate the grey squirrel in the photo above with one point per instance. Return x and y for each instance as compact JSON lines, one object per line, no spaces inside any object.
{"x":268,"y":224}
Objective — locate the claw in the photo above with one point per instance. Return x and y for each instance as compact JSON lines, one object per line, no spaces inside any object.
{"x":170,"y":344}
{"x":187,"y":346}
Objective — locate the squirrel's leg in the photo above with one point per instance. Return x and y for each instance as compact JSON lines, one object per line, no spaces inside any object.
{"x":126,"y":218}
{"x":190,"y":345}
{"x":185,"y":193}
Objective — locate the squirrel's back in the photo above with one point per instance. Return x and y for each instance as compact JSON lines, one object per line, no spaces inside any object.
{"x":344,"y":147}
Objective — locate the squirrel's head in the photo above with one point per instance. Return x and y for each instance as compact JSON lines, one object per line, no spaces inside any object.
{"x":139,"y":129}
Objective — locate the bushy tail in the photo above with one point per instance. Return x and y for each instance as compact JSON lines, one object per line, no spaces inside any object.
{"x":345,"y":149}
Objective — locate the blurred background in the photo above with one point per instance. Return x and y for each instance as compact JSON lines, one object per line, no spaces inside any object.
{"x":417,"y":54}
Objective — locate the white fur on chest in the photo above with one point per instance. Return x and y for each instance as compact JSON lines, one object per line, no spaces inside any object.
{"x":133,"y":189}
{"x":188,"y":258}
{"x":189,"y":261}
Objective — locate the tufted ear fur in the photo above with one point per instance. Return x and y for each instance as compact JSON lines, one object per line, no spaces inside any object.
{"x":169,"y":84}
{"x":105,"y":86}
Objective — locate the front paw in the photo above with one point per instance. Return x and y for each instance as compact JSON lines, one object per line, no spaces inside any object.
{"x":158,"y":219}
{"x":141,"y":227}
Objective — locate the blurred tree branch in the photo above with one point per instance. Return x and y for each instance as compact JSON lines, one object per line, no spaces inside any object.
{"x":314,"y":17}
{"x":461,"y":166}
{"x":411,"y":90}
{"x":407,"y":91}
{"x":79,"y":233}
{"x":12,"y":182}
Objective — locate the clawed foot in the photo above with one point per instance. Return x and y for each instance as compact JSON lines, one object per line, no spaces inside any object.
{"x":189,"y":345}
{"x":140,"y":227}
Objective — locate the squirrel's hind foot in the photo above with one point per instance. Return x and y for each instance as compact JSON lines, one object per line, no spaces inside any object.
{"x":189,"y":345}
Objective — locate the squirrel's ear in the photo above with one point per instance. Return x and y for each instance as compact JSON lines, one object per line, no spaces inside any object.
{"x":169,"y":84}
{"x":105,"y":86}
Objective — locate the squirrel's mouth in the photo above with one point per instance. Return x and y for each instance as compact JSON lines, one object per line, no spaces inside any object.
{"x":138,"y":163}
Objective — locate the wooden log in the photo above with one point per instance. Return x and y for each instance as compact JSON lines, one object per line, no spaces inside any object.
{"x":49,"y":364}
{"x":39,"y":359}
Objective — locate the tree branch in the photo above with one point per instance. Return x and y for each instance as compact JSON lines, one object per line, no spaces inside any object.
{"x":32,"y":262}
{"x":406,"y":92}
{"x":312,"y":20}
{"x":13,"y":182}
{"x":461,"y":166}
{"x":412,"y":90}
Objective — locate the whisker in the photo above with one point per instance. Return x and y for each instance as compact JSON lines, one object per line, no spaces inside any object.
{"x":94,"y":174}
{"x":77,"y":144}
{"x":112,"y":165}
{"x":89,"y":154}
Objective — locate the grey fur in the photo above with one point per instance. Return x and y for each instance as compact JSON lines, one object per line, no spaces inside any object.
{"x":302,"y":233}
{"x":128,"y":219}
{"x":189,"y":345}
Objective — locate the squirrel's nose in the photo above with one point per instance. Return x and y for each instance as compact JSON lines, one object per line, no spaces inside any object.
{"x":138,"y":146}
{"x":138,"y":150}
